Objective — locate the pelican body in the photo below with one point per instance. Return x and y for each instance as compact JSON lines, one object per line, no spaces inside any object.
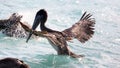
{"x":82,"y":30}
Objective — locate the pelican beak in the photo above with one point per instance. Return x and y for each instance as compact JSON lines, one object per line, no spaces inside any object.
{"x":35,"y":25}
{"x":30,"y":34}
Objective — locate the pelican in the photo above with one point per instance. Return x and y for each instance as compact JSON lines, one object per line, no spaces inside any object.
{"x":12,"y":63}
{"x":83,"y":30}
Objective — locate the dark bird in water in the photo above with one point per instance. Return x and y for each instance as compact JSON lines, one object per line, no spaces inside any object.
{"x":82,"y":30}
{"x":12,"y":63}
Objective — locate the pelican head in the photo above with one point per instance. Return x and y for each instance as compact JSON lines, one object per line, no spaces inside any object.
{"x":40,"y":18}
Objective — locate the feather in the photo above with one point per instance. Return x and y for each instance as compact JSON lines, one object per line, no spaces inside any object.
{"x":83,"y":29}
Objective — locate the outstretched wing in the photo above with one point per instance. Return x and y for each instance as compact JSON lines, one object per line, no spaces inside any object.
{"x":83,"y":29}
{"x":14,"y":18}
{"x":2,"y":24}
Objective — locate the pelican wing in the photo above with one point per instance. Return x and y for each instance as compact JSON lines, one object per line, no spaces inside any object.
{"x":28,"y":29}
{"x":14,"y":18}
{"x":2,"y":24}
{"x":82,"y":30}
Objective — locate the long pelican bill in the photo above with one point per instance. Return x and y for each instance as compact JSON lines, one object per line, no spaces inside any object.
{"x":35,"y":25}
{"x":30,"y":34}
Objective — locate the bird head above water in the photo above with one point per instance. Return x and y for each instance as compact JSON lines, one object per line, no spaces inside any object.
{"x":40,"y":18}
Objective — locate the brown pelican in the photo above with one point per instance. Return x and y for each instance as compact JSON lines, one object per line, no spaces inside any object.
{"x":12,"y":63}
{"x":82,"y":30}
{"x":12,"y":27}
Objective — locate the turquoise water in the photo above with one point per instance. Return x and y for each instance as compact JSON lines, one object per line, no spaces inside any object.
{"x":102,"y":51}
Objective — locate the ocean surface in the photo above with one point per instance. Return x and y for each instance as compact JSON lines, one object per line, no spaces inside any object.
{"x":101,"y":51}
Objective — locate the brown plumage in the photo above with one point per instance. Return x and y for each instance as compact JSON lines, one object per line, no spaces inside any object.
{"x":12,"y":27}
{"x":56,"y":40}
{"x":82,"y":30}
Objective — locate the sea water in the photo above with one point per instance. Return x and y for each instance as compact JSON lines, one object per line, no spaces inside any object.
{"x":101,"y":51}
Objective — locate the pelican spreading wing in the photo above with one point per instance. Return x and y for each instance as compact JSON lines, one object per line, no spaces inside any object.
{"x":82,"y":30}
